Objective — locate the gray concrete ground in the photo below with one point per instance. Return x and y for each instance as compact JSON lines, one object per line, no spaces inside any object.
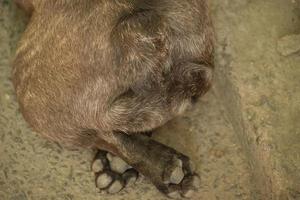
{"x":243,"y":135}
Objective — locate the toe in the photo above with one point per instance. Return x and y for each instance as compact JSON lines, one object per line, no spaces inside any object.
{"x":190,"y":184}
{"x":177,"y":173}
{"x":130,"y":177}
{"x":174,"y":192}
{"x":179,"y":180}
{"x":100,"y":162}
{"x":174,"y":174}
{"x":97,"y":166}
{"x":117,"y":164}
{"x":103,"y":180}
{"x":112,"y":173}
{"x":116,"y":186}
{"x":174,"y":195}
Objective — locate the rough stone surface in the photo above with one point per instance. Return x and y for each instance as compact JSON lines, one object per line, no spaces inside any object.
{"x":243,"y":136}
{"x":260,"y":89}
{"x":289,"y":44}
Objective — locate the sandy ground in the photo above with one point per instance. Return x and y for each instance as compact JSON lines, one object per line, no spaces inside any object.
{"x":32,"y":168}
{"x":258,"y":54}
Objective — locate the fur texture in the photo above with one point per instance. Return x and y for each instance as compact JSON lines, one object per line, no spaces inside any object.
{"x":111,"y":65}
{"x":95,"y":73}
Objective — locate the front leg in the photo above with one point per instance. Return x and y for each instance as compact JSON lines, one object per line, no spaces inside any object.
{"x":170,"y":171}
{"x":112,"y":174}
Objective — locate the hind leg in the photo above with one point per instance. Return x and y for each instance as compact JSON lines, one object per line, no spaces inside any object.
{"x":146,"y":109}
{"x":170,"y":171}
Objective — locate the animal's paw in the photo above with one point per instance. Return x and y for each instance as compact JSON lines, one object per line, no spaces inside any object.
{"x":179,"y":180}
{"x":112,"y":173}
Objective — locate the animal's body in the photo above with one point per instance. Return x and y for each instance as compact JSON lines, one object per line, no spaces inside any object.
{"x":98,"y":73}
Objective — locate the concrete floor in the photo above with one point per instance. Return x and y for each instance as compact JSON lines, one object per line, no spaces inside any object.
{"x":32,"y":168}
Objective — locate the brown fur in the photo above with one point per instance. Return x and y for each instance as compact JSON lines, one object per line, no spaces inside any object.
{"x":88,"y":69}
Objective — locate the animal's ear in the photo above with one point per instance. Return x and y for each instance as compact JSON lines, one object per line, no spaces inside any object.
{"x":25,"y":5}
